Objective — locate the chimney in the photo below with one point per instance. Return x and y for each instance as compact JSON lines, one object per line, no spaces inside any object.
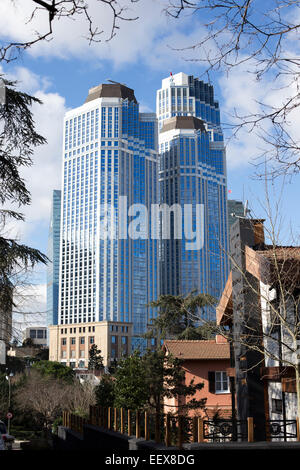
{"x":220,"y":339}
{"x":258,"y":231}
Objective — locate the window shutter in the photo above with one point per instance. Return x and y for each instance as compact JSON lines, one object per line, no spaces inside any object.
{"x":211,"y":382}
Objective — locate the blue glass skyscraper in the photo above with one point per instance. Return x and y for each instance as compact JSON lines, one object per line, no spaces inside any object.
{"x":193,"y":171}
{"x":110,"y":163}
{"x":53,"y":255}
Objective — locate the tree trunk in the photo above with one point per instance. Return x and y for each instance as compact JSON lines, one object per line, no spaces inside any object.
{"x":297,"y":370}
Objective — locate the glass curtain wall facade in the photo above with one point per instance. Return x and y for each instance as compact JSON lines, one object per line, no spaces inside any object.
{"x":193,"y":171}
{"x":184,"y":95}
{"x":53,"y":255}
{"x":110,"y":163}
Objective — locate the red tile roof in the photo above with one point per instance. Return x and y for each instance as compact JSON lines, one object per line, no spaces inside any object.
{"x":281,"y":252}
{"x":197,"y":349}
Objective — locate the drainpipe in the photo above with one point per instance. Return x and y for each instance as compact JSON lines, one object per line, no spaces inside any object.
{"x":232,"y":391}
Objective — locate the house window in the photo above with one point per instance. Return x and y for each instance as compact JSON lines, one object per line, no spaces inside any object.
{"x":218,"y":382}
{"x":64,"y":341}
{"x":82,"y":340}
{"x":73,"y":341}
{"x":92,"y":340}
{"x":221,"y":382}
{"x":276,"y":406}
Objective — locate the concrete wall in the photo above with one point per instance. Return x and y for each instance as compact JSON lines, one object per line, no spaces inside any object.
{"x":93,"y":437}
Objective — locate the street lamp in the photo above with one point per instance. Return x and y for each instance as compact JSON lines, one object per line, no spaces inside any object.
{"x":8,"y":378}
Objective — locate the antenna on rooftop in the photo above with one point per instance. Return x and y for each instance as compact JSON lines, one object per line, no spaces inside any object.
{"x":246,"y":208}
{"x":117,"y":83}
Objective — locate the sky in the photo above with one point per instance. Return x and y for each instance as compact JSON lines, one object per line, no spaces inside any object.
{"x":143,"y":52}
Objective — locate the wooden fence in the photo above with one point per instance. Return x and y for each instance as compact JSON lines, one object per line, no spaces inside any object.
{"x":172,"y":430}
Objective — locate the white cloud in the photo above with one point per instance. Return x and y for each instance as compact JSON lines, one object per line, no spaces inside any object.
{"x":29,"y":81}
{"x":45,"y":173}
{"x":144,"y":108}
{"x":30,"y":308}
{"x":245,"y":96}
{"x":149,"y":39}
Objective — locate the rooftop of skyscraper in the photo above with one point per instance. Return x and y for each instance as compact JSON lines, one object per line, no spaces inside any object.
{"x":111,"y":90}
{"x":183,"y":122}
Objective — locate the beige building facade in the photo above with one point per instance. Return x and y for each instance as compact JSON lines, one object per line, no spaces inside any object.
{"x":69,"y":344}
{"x":38,"y":335}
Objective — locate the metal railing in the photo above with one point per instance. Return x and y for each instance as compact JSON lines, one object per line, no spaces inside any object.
{"x":177,"y":430}
{"x":282,"y":429}
{"x":224,"y":430}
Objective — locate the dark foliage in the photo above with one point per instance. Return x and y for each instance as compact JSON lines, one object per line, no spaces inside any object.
{"x":95,"y":358}
{"x":55,"y":370}
{"x":145,"y":381}
{"x":180,"y":317}
{"x":105,"y":392}
{"x":18,"y":138}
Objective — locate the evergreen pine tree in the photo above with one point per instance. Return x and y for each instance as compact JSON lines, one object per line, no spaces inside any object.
{"x":95,"y":358}
{"x":18,"y":138}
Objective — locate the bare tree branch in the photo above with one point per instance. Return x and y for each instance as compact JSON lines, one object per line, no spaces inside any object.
{"x":71,"y":9}
{"x":259,"y":35}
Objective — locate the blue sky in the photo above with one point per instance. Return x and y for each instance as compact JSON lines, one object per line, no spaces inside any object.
{"x":61,"y":71}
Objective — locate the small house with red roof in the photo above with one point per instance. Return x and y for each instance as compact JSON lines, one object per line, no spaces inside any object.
{"x":205,"y":361}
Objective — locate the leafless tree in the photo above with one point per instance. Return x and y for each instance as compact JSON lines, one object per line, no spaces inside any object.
{"x":259,"y":310}
{"x":81,"y":397}
{"x":258,"y":36}
{"x":44,"y":396}
{"x":72,"y":9}
{"x":263,"y":312}
{"x":23,"y":307}
{"x":47,"y":397}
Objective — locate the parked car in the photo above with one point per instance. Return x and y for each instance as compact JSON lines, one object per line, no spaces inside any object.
{"x":6,"y":438}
